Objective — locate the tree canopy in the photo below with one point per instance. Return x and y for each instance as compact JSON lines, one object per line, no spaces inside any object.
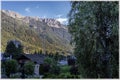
{"x":94,"y":30}
{"x":14,"y":48}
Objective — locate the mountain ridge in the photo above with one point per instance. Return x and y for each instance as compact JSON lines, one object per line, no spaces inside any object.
{"x":50,"y":21}
{"x":56,"y":36}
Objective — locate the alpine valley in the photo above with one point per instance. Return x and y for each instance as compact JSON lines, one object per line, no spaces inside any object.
{"x":34,"y":33}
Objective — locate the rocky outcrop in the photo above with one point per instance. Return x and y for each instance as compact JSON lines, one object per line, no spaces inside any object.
{"x":13,"y":14}
{"x":53,"y":23}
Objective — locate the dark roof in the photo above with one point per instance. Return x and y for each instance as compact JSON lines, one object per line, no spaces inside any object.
{"x":37,"y":58}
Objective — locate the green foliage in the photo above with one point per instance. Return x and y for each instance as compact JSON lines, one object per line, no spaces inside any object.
{"x":55,"y":69}
{"x":41,"y":69}
{"x":92,"y":25}
{"x":74,"y":70}
{"x":56,"y":57}
{"x":29,"y":68}
{"x":49,"y":66}
{"x":50,"y":76}
{"x":11,"y":67}
{"x":68,"y":75}
{"x":10,"y":48}
{"x":64,"y":74}
{"x":65,"y":69}
{"x":14,"y":76}
{"x":48,"y":60}
{"x":14,"y":50}
{"x":61,"y":76}
{"x":44,"y":68}
{"x":2,"y":64}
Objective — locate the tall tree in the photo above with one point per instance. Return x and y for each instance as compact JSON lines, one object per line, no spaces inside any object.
{"x":14,"y":48}
{"x":92,"y":25}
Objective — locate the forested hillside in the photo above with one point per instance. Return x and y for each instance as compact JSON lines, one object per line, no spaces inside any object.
{"x":34,"y":34}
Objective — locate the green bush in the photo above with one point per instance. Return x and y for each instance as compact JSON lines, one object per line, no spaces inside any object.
{"x":48,"y":60}
{"x":29,"y":68}
{"x":15,"y":76}
{"x":49,"y":66}
{"x":74,"y":70}
{"x":44,"y":68}
{"x":65,"y":69}
{"x":49,"y":75}
{"x":11,"y":67}
{"x":55,"y":69}
{"x":68,"y":75}
{"x":65,"y":75}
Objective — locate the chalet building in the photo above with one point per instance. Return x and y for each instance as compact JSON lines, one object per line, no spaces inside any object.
{"x":38,"y":59}
{"x":3,"y":58}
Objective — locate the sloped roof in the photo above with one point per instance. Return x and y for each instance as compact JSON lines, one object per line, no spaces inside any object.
{"x":38,"y":58}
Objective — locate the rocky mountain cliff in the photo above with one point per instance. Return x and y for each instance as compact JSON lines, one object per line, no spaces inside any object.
{"x":13,"y":14}
{"x":53,"y":23}
{"x":35,"y":33}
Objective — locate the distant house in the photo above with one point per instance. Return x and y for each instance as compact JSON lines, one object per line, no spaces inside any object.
{"x":4,"y":58}
{"x":38,"y":59}
{"x":63,"y":62}
{"x":72,"y":57}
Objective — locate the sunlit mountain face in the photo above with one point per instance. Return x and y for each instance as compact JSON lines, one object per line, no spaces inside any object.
{"x":35,"y":33}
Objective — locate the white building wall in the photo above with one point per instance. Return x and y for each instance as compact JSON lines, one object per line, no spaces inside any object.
{"x":36,"y":69}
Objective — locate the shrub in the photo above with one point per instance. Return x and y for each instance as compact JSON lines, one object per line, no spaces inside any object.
{"x":74,"y":70}
{"x":65,"y":69}
{"x":48,"y":60}
{"x":49,"y":75}
{"x":29,"y":68}
{"x":68,"y":75}
{"x":55,"y":69}
{"x":65,"y":75}
{"x":11,"y":67}
{"x":17,"y":75}
{"x":44,"y":68}
{"x":49,"y":66}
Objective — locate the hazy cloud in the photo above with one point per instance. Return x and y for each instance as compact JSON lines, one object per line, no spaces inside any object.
{"x":27,"y":9}
{"x":62,"y":20}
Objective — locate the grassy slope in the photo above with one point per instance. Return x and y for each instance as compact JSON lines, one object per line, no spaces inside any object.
{"x":30,"y":38}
